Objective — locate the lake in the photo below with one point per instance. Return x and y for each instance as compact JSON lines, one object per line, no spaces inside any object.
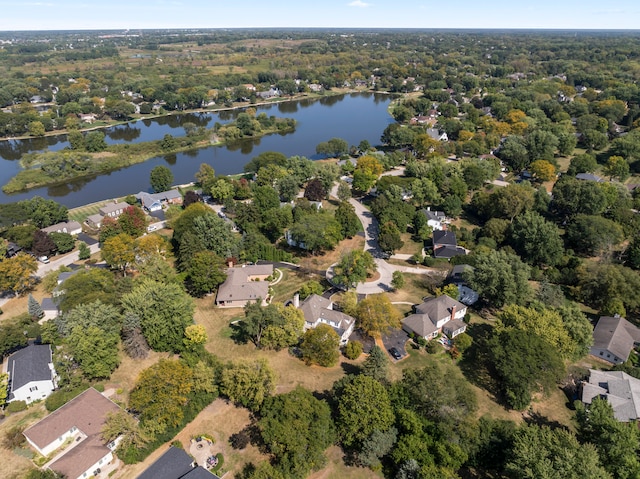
{"x":353,"y":117}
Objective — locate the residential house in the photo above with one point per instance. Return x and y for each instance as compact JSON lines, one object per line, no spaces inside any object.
{"x":80,"y":421}
{"x":94,"y":221}
{"x":614,"y":338}
{"x":319,"y":310}
{"x":315,"y":87}
{"x":113,"y":210}
{"x":155,"y":201}
{"x":50,"y":310}
{"x":436,"y":135}
{"x":618,"y":388}
{"x":175,"y":463}
{"x":271,"y":93}
{"x":589,"y":177}
{"x":466,"y":295}
{"x":87,"y":118}
{"x":243,"y":285}
{"x":435,"y":315}
{"x":32,"y":376}
{"x":12,"y":249}
{"x":445,"y":245}
{"x":70,"y":227}
{"x":435,"y":219}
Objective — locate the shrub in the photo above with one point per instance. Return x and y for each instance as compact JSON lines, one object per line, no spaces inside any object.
{"x":16,"y":406}
{"x":177,"y":444}
{"x":432,"y":347}
{"x":99,"y":387}
{"x":220,"y":463}
{"x":353,"y":349}
{"x":59,"y":398}
{"x":13,"y":437}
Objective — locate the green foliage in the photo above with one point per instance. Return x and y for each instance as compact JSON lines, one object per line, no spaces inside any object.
{"x":376,"y":365}
{"x":273,"y":326}
{"x":204,"y":273}
{"x":248,"y":383}
{"x":353,"y":350}
{"x":296,"y":428}
{"x":389,"y":238}
{"x":594,"y":235}
{"x":309,"y":288}
{"x":376,"y":315}
{"x":83,"y":251}
{"x":397,"y":280}
{"x":17,"y":273}
{"x":16,"y":406}
{"x":320,"y":346}
{"x":88,"y":286}
{"x":105,"y":316}
{"x":316,"y":232}
{"x":349,"y":222}
{"x":34,"y":308}
{"x":161,"y":178}
{"x":536,"y":240}
{"x":353,"y":268}
{"x":62,"y":396}
{"x":95,"y":350}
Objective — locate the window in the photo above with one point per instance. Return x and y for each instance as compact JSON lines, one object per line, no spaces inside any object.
{"x":601,"y":353}
{"x":34,"y":388}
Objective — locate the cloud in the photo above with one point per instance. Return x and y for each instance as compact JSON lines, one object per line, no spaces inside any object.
{"x":358,"y":3}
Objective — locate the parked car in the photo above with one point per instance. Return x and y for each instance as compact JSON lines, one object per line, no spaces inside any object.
{"x":395,"y":353}
{"x":43,"y":259}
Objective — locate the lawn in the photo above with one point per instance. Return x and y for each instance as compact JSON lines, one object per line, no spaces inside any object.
{"x":410,"y":246}
{"x":14,"y":465}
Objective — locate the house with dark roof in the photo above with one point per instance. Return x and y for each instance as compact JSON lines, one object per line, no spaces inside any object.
{"x":319,"y":310}
{"x":244,"y":284}
{"x":445,"y":245}
{"x":614,"y":338}
{"x":50,"y":310}
{"x":32,"y":376}
{"x":175,"y":463}
{"x":435,"y":315}
{"x":466,"y":295}
{"x":618,"y":388}
{"x":79,"y":422}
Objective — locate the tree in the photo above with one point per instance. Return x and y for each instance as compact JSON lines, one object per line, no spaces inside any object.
{"x":536,"y":240}
{"x":367,"y":171}
{"x":161,"y":393}
{"x":617,"y":442}
{"x":34,"y":308}
{"x":315,"y":190}
{"x":462,"y":342}
{"x":316,"y":232}
{"x":63,"y":242}
{"x":579,"y":328}
{"x":121,"y":424}
{"x":353,"y":350}
{"x":248,"y":383}
{"x":95,"y":313}
{"x":88,"y":286}
{"x":297,"y":428}
{"x":389,"y":237}
{"x":450,"y":290}
{"x":500,"y":278}
{"x":43,"y":245}
{"x":376,"y":315}
{"x":584,"y":163}
{"x":376,"y":365}
{"x":539,"y":451}
{"x":572,"y":197}
{"x":95,"y":350}
{"x":43,"y":212}
{"x":132,"y":221}
{"x":333,"y":147}
{"x":543,"y":170}
{"x":320,"y":346}
{"x":215,"y":234}
{"x":344,"y":191}
{"x":397,"y":280}
{"x":617,"y":167}
{"x":204,"y":273}
{"x":4,"y":388}
{"x":161,"y":179}
{"x":221,"y":189}
{"x":165,"y":311}
{"x":524,"y":363}
{"x":309,"y":288}
{"x":133,"y":341}
{"x":363,"y":408}
{"x":205,"y":177}
{"x":36,"y":128}
{"x":353,"y":268}
{"x":94,"y":141}
{"x":16,"y":273}
{"x":191,"y":197}
{"x":594,"y":235}
{"x":118,"y":252}
{"x":286,"y":331}
{"x":347,"y":219}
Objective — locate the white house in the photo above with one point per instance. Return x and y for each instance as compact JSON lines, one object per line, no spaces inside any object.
{"x":435,"y":315}
{"x":71,"y":227}
{"x":318,"y":310}
{"x":435,"y":219}
{"x":50,"y":310}
{"x":32,"y":376}
{"x":79,"y":421}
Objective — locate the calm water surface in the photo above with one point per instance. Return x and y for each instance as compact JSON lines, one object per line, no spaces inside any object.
{"x":353,"y":117}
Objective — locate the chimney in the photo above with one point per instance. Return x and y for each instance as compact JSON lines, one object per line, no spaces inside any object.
{"x":453,"y":313}
{"x":296,"y":300}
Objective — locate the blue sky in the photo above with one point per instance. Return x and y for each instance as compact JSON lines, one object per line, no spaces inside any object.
{"x":121,"y":14}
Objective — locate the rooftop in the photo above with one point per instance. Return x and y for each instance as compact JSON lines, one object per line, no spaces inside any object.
{"x":30,"y":364}
{"x":617,"y":335}
{"x":621,"y":391}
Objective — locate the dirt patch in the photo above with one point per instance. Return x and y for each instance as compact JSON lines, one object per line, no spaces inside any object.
{"x":374,"y":277}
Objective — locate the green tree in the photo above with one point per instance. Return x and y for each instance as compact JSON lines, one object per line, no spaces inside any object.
{"x":376,"y":315}
{"x":161,"y":178}
{"x":204,"y":273}
{"x":297,"y":428}
{"x":389,"y":238}
{"x":161,"y":392}
{"x":316,"y":232}
{"x":320,"y":346}
{"x":95,"y":313}
{"x":397,"y":280}
{"x":286,"y":330}
{"x":524,"y":363}
{"x":584,"y":163}
{"x":4,"y":388}
{"x":205,"y":177}
{"x":165,"y":311}
{"x":63,"y":242}
{"x":344,"y":191}
{"x":354,"y":267}
{"x":500,"y":278}
{"x":572,"y":197}
{"x":539,"y":451}
{"x":248,"y":383}
{"x":36,"y":128}
{"x":594,"y":235}
{"x":376,"y":365}
{"x":353,"y":350}
{"x":94,"y":141}
{"x":121,"y":424}
{"x":363,"y":408}
{"x":95,"y":350}
{"x":118,"y":252}
{"x":34,"y":308}
{"x":86,"y":287}
{"x":617,"y":167}
{"x":536,"y":240}
{"x":347,"y":219}
{"x":309,"y":288}
{"x":367,"y":171}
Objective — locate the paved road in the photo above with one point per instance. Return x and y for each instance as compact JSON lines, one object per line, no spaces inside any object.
{"x":65,"y":260}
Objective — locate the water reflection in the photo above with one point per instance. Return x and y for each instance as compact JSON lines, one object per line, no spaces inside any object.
{"x":124,"y":133}
{"x":288,"y":107}
{"x":171,"y":159}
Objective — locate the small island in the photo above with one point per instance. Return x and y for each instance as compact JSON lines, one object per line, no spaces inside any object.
{"x":89,"y":154}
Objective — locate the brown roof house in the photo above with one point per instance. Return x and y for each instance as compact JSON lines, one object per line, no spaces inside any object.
{"x":620,"y":390}
{"x":435,"y":315}
{"x":76,"y":424}
{"x":614,"y":338}
{"x":319,"y":310}
{"x":243,"y":285}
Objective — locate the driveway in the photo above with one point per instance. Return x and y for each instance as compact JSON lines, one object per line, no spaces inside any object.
{"x":65,"y":260}
{"x":396,"y":338}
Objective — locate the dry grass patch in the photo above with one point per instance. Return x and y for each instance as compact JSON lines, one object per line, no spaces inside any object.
{"x":15,"y":466}
{"x":337,"y":469}
{"x":124,"y":378}
{"x":414,"y":289}
{"x":291,"y":282}
{"x":410,"y":246}
{"x":323,"y":261}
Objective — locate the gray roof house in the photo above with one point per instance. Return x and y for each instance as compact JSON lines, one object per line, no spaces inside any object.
{"x":80,"y":420}
{"x":154,"y":201}
{"x":589,"y":177}
{"x":435,"y":315}
{"x":435,"y":219}
{"x":243,"y":285}
{"x":113,"y":209}
{"x":618,"y":388}
{"x":175,"y":463}
{"x":445,"y":245}
{"x":95,"y":221}
{"x":436,"y":135}
{"x":614,"y":338}
{"x":319,"y":310}
{"x":49,"y":308}
{"x":32,"y":376}
{"x":70,"y":227}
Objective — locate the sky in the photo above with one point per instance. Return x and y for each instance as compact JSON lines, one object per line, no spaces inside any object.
{"x":136,"y":14}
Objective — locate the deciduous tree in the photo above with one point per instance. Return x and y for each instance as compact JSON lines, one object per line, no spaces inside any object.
{"x":376,"y":315}
{"x":320,"y":346}
{"x":16,"y":273}
{"x":161,"y":178}
{"x":248,"y":383}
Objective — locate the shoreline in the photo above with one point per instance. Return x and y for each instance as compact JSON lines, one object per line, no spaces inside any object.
{"x":312,"y":96}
